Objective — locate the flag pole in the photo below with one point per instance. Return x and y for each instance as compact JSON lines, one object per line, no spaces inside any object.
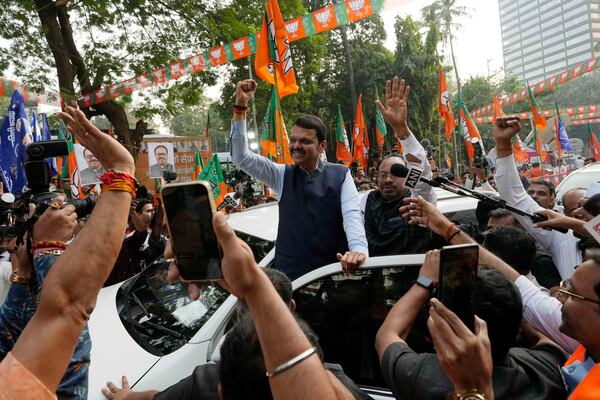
{"x":253,"y":100}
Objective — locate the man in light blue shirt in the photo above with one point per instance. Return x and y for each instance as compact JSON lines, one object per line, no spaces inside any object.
{"x":319,"y":211}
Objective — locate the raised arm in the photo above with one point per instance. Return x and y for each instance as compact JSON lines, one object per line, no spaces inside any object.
{"x":561,"y":246}
{"x":395,"y":112}
{"x":281,"y":339}
{"x":255,"y":165}
{"x":70,"y":290}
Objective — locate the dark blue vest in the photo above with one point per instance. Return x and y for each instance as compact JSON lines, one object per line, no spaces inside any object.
{"x":311,"y":229}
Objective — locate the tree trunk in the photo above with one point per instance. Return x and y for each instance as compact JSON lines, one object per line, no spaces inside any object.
{"x":348,"y":55}
{"x":70,"y":65}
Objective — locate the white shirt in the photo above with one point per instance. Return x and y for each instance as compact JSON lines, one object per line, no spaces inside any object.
{"x":412,"y":146}
{"x":272,"y":174}
{"x":561,"y":246}
{"x":5,"y":271}
{"x":544,"y":313}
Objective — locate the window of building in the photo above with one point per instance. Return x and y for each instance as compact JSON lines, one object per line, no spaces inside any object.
{"x":577,"y":21}
{"x":576,"y":31}
{"x":576,"y":59}
{"x":533,"y":39}
{"x":556,"y":67}
{"x":552,"y":31}
{"x":552,"y":49}
{"x":578,"y":49}
{"x":575,"y":12}
{"x":555,"y":57}
{"x":578,"y":40}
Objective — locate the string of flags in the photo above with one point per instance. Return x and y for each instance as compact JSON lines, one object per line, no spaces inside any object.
{"x":577,"y":113}
{"x":544,"y":85}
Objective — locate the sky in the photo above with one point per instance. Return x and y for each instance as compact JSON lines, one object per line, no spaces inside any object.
{"x":477,"y":43}
{"x":479,"y":40}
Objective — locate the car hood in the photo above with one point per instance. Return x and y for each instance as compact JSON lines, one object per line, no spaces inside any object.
{"x":113,"y":347}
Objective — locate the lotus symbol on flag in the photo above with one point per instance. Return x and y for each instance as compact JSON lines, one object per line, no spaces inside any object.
{"x":157,"y":74}
{"x":195,"y":60}
{"x":113,"y":90}
{"x":100,"y":94}
{"x":129,"y":83}
{"x":445,"y":98}
{"x":175,"y":68}
{"x":87,"y":98}
{"x":323,"y":17}
{"x":292,"y":27}
{"x":216,"y":53}
{"x":239,"y":46}
{"x":356,"y":5}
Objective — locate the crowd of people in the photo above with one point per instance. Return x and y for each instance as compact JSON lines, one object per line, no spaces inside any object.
{"x":537,"y":301}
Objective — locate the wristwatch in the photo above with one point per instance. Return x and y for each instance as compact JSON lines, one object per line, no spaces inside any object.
{"x":424,"y":282}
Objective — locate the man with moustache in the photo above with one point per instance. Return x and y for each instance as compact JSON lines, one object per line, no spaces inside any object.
{"x":387,"y":233}
{"x":319,"y":211}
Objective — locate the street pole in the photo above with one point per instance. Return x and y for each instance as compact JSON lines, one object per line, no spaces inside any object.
{"x":253,"y":101}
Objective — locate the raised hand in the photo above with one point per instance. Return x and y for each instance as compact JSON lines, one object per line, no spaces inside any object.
{"x":504,"y":129}
{"x":465,"y":357}
{"x":422,"y":212}
{"x":110,"y":153}
{"x":395,"y":111}
{"x":244,"y":91}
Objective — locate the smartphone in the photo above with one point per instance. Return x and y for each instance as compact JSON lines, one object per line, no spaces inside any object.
{"x":458,"y":280}
{"x":189,"y":208}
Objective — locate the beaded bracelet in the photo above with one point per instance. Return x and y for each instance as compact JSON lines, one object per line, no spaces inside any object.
{"x":49,"y":244}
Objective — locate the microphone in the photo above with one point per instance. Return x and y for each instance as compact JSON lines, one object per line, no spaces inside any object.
{"x":412,"y":175}
{"x":231,"y":200}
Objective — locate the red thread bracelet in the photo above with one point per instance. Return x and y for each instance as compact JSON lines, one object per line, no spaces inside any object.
{"x":49,"y":244}
{"x":449,"y":231}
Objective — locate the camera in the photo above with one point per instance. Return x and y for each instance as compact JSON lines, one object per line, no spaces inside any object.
{"x":38,"y":175}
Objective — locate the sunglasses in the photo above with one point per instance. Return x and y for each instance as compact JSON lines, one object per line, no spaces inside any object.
{"x":563,"y":290}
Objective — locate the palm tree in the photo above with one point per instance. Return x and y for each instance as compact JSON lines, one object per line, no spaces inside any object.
{"x":445,"y":13}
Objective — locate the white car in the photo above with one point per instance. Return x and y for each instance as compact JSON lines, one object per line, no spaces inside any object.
{"x":150,"y":331}
{"x":582,"y":177}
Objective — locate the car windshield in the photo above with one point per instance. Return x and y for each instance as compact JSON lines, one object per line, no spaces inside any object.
{"x":576,"y":180}
{"x":160,"y":316}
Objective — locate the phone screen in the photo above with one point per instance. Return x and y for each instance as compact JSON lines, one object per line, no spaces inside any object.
{"x":189,"y":212}
{"x":458,"y":280}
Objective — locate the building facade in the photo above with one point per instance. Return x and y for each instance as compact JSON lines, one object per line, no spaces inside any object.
{"x":543,"y":37}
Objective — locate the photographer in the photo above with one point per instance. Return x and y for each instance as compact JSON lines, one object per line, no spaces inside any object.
{"x":36,"y":364}
{"x":50,"y":233}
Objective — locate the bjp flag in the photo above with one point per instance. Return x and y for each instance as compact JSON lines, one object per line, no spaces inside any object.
{"x":468,"y":129}
{"x":273,"y":54}
{"x":594,"y":146}
{"x":358,"y":137}
{"x":536,"y":112}
{"x":444,"y":106}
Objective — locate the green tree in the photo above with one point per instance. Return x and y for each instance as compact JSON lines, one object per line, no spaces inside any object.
{"x":82,"y":46}
{"x":416,"y":61}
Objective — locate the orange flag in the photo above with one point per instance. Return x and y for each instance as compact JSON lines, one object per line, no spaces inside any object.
{"x":273,"y":54}
{"x":518,"y":146}
{"x":536,"y":111}
{"x":468,"y":129}
{"x":358,"y":137}
{"x":444,"y":106}
{"x":498,"y":112}
{"x":594,"y":146}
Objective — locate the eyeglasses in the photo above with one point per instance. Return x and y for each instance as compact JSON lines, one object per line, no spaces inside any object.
{"x":385,"y":175}
{"x":564,"y":293}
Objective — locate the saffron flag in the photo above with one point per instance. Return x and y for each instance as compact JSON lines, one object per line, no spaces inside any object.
{"x":358,"y":137}
{"x":468,"y":130}
{"x":342,"y":152}
{"x":593,"y":143}
{"x":536,"y":112}
{"x":519,"y":150}
{"x":275,"y":143}
{"x":273,"y":54}
{"x":15,"y":134}
{"x":214,"y":175}
{"x":380,"y":129}
{"x":561,"y":136}
{"x":70,"y":171}
{"x":444,"y":106}
{"x":198,"y":166}
{"x":539,"y":147}
{"x":399,"y":146}
{"x":498,"y":112}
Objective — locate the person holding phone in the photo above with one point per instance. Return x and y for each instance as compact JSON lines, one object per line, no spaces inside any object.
{"x":319,"y":212}
{"x":479,"y":364}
